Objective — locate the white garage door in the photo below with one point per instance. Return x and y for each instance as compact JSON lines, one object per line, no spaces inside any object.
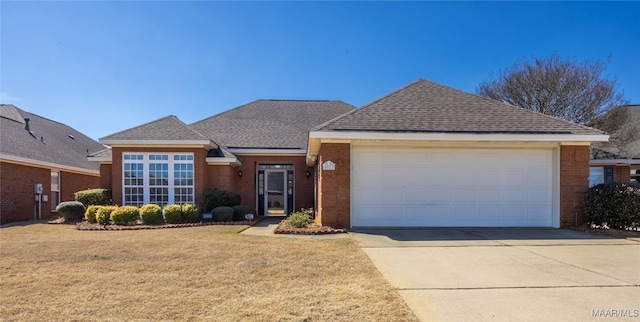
{"x":423,"y":187}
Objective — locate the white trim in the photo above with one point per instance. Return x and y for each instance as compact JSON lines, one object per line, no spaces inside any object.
{"x":130,"y":143}
{"x":614,"y":161}
{"x":46,"y":165}
{"x":223,"y":161}
{"x":366,"y":135}
{"x":256,"y":151}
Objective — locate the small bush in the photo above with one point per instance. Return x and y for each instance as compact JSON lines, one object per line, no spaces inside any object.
{"x":103,"y":215}
{"x":90,"y":214}
{"x":125,"y":215}
{"x":190,"y":213}
{"x":71,"y":210}
{"x":99,"y":197}
{"x":222,"y":213}
{"x":172,"y":214}
{"x":239,"y":211}
{"x":151,"y":214}
{"x":300,"y":219}
{"x":218,"y":198}
{"x":615,"y":205}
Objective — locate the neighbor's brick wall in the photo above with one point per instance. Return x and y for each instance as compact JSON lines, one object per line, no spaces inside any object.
{"x":334,"y":187}
{"x":622,"y":174}
{"x":574,"y":184}
{"x":70,"y":183}
{"x":105,"y":176}
{"x":199,"y":169}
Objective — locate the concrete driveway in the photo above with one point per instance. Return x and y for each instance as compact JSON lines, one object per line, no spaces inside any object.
{"x":508,"y":274}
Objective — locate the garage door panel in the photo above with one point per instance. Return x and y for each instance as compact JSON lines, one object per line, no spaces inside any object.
{"x":451,"y":187}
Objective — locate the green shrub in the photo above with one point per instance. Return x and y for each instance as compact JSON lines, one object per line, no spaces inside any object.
{"x":71,"y":210}
{"x":125,"y":215}
{"x":190,"y":213}
{"x":222,"y":213}
{"x":300,"y":219}
{"x":151,"y":214}
{"x":217,"y":198}
{"x":103,"y":215}
{"x":615,"y":205}
{"x":90,"y":214}
{"x":99,"y":197}
{"x":239,"y":211}
{"x":172,"y":214}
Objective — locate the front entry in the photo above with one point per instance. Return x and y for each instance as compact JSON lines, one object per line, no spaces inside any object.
{"x":275,"y":190}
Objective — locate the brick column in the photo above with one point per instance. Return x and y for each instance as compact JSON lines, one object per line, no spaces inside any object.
{"x":574,"y":184}
{"x":334,"y":186}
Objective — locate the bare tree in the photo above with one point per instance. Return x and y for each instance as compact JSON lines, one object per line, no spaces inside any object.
{"x":566,"y":88}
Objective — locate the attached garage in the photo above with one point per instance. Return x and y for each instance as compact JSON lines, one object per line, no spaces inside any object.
{"x":438,"y":187}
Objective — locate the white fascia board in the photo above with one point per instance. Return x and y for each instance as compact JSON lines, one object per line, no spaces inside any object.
{"x":267,"y":151}
{"x":100,"y":159}
{"x":614,"y":161}
{"x":47,"y":165}
{"x":205,"y":143}
{"x":365,"y":135}
{"x":223,"y":161}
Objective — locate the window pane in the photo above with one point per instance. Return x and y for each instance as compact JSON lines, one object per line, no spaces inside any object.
{"x":55,"y":181}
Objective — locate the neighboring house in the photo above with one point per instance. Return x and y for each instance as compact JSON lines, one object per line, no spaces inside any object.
{"x":424,"y":155}
{"x":38,"y":152}
{"x":619,"y":159}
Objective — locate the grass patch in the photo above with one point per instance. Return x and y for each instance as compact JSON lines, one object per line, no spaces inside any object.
{"x":55,"y":272}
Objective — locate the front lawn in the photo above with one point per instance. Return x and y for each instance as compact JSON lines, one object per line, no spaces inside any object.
{"x":55,"y":272}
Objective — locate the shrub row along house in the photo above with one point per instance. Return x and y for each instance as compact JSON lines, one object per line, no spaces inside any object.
{"x":423,"y":155}
{"x":42,"y":162}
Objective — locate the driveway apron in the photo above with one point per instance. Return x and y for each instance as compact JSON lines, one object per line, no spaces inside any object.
{"x":475,"y":274}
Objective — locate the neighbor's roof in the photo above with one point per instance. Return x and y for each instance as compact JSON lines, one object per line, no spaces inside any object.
{"x":270,"y":123}
{"x":622,"y":123}
{"x":47,"y":140}
{"x":168,"y":128}
{"x":424,"y":106}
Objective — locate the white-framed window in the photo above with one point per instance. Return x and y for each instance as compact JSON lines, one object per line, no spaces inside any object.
{"x":159,"y":178}
{"x":55,"y":189}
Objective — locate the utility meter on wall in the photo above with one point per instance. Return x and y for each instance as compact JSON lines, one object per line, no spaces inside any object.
{"x":38,"y":188}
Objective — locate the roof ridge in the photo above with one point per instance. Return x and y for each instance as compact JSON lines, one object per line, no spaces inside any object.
{"x":139,"y":126}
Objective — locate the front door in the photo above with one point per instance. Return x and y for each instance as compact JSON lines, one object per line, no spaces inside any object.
{"x":276,"y":193}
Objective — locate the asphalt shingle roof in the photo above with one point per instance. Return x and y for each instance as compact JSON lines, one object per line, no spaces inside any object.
{"x":623,"y":125}
{"x":270,"y":123}
{"x":47,"y":141}
{"x":424,"y":106}
{"x":166,"y":128}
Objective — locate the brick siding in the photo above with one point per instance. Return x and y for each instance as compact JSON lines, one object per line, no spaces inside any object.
{"x":574,"y":183}
{"x":334,"y":186}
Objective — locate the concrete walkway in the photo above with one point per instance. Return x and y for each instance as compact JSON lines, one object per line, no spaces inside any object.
{"x":508,"y":274}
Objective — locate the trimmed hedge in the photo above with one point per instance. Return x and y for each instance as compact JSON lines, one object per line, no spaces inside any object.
{"x":615,"y":205}
{"x":71,"y":210}
{"x":125,"y":215}
{"x":222,"y":213}
{"x":239,"y":211}
{"x":300,"y":219}
{"x":172,"y":214}
{"x":90,"y":214}
{"x":103,"y":215}
{"x":190,"y":213}
{"x":99,"y":197}
{"x":151,"y":214}
{"x":218,"y":198}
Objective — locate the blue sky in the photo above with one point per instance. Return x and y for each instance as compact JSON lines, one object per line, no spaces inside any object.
{"x":102,"y":67}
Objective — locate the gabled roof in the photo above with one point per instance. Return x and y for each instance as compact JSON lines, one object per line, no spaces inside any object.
{"x":168,"y":129}
{"x":280,"y":124}
{"x":45,"y":141}
{"x":623,"y":125}
{"x":427,"y":107}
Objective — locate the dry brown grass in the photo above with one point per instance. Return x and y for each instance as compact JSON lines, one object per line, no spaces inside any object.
{"x":54,"y":272}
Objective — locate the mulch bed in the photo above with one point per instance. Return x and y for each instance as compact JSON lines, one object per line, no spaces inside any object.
{"x":84,"y":225}
{"x":284,"y":228}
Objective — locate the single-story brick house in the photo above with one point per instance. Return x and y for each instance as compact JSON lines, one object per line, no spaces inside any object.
{"x":36,"y":151}
{"x":617,"y":160}
{"x":424,"y":155}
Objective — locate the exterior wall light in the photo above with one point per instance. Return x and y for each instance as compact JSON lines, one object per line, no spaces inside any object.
{"x":240,"y":173}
